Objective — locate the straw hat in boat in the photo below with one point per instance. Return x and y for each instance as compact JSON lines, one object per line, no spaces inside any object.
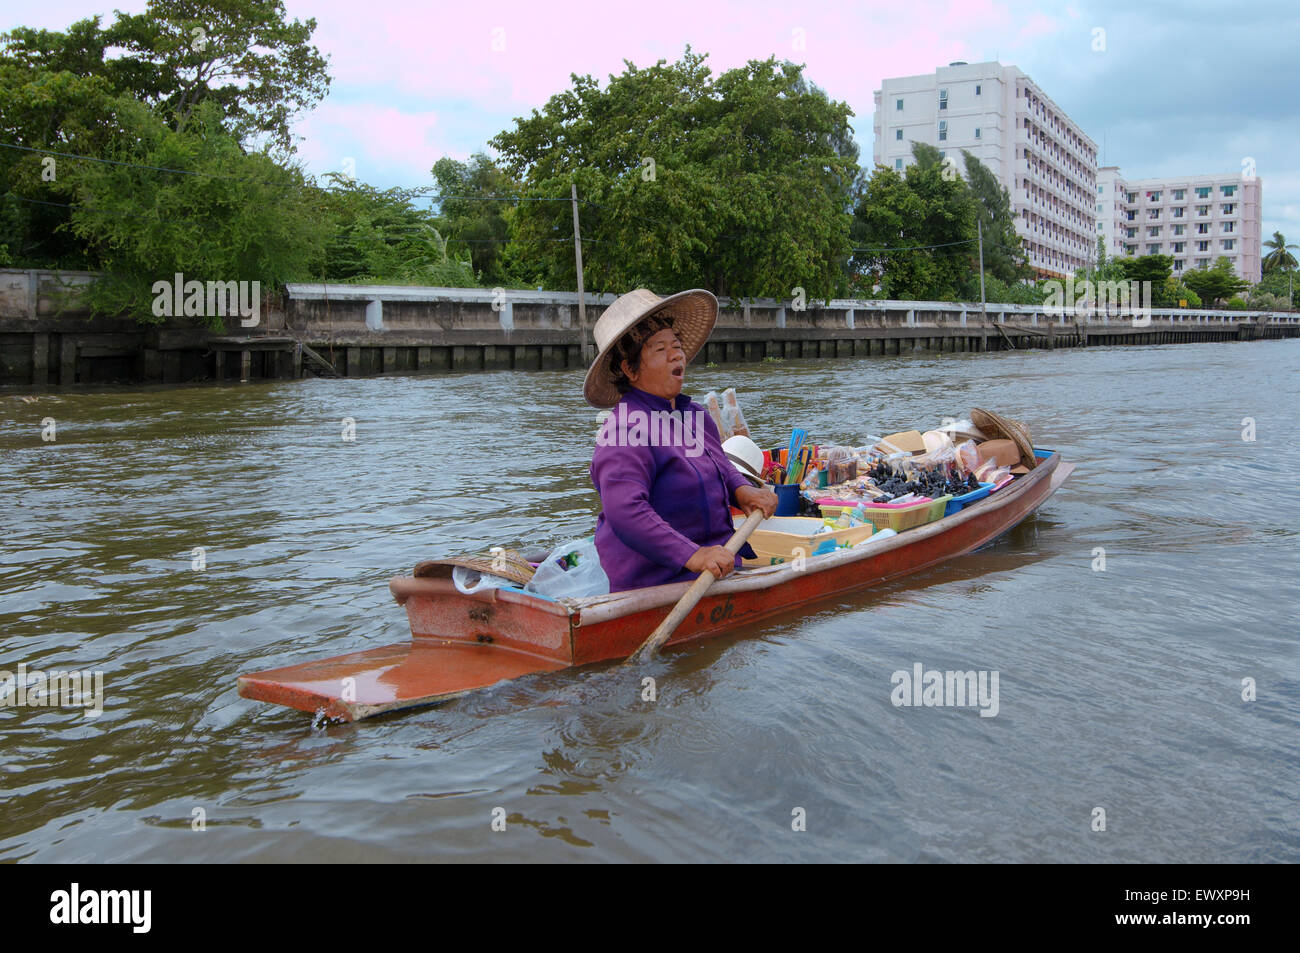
{"x":693,"y":312}
{"x":507,"y":563}
{"x":995,"y":426}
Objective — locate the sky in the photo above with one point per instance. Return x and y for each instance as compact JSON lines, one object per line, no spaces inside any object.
{"x":1179,"y":88}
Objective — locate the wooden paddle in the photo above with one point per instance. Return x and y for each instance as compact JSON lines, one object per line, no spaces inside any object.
{"x":650,"y":647}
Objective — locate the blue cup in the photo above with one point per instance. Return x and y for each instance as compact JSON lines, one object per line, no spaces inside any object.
{"x":787,"y":499}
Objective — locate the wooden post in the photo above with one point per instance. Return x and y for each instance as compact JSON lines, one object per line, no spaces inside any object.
{"x":219,"y":365}
{"x":577,"y":252}
{"x":67,"y":360}
{"x":245,"y":365}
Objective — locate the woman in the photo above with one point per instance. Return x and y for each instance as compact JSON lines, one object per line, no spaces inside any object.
{"x":665,"y":484}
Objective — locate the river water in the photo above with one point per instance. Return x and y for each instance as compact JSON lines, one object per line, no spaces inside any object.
{"x":1119,"y":689}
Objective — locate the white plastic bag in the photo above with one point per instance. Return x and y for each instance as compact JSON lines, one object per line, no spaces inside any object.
{"x":471,"y":580}
{"x":571,"y":571}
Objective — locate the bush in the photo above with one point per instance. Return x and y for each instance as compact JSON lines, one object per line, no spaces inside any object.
{"x":1263,"y":301}
{"x":1236,"y":304}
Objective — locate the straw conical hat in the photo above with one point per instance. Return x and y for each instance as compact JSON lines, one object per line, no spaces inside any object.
{"x":507,"y":563}
{"x":995,"y":425}
{"x":694,"y":314}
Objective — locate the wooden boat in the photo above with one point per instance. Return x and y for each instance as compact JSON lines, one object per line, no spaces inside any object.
{"x":461,"y":643}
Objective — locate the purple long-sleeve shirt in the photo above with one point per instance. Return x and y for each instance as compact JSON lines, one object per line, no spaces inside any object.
{"x":660,"y":503}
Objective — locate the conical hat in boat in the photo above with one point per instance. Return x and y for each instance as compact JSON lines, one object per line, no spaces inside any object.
{"x":995,"y":426}
{"x":508,"y":564}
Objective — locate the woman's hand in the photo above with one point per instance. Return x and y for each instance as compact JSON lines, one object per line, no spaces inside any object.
{"x":750,"y":498}
{"x":715,"y":559}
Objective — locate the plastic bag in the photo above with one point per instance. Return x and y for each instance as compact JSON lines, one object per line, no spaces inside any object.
{"x":968,"y":456}
{"x":571,"y":571}
{"x":733,"y":421}
{"x":472,"y":580}
{"x":712,"y":405}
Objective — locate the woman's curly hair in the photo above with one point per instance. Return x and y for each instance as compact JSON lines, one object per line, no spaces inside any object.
{"x":628,"y":348}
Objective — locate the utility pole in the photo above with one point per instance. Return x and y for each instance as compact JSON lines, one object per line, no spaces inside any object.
{"x":979,"y":227}
{"x":577,"y":253}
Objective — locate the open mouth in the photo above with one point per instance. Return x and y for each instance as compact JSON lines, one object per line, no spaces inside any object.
{"x":678,"y":371}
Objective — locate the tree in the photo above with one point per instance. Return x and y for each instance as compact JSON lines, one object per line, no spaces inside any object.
{"x":1280,"y":258}
{"x":1004,"y":252}
{"x":1155,"y":269}
{"x":224,"y":215}
{"x":916,"y":230}
{"x":736,"y":184}
{"x":1215,"y":284}
{"x":373,"y":234}
{"x":243,"y":55}
{"x":478,"y":224}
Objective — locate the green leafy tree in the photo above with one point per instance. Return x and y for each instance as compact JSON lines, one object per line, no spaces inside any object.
{"x":477,"y":224}
{"x":243,"y":55}
{"x":1280,"y":257}
{"x":1218,"y":283}
{"x":737,"y":184}
{"x":1004,"y":252}
{"x":1155,"y":269}
{"x":233,"y":217}
{"x":373,"y":233}
{"x":916,"y":231}
{"x":1278,"y":283}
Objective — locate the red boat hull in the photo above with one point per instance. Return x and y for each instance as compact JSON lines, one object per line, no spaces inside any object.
{"x":460,"y":643}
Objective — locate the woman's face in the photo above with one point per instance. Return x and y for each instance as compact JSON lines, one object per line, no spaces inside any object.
{"x":663,"y":366}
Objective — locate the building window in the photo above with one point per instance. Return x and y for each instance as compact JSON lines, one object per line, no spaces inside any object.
{"x":1179,"y":246}
{"x":1227,"y":228}
{"x":1203,"y":192}
{"x":1228,"y":190}
{"x":943,"y":130}
{"x":898,"y":105}
{"x":1229,"y":208}
{"x":977,"y":89}
{"x":1178,"y":194}
{"x":1179,"y":229}
{"x":898,"y":163}
{"x":1229,"y":244}
{"x":1130,"y":233}
{"x":943,"y":99}
{"x":1101,"y":190}
{"x":1099,"y":207}
{"x":1202,"y":263}
{"x":1153,"y":196}
{"x":1153,"y":213}
{"x":1178,"y":262}
{"x":1202,"y":246}
{"x":1130,"y":197}
{"x":1130,"y":249}
{"x":977,"y":132}
{"x":898,"y":135}
{"x":1153,"y":249}
{"x":1178,"y":212}
{"x":1202,"y":229}
{"x":1131,"y":216}
{"x":943,"y":154}
{"x":1153,"y":231}
{"x":1202,"y":211}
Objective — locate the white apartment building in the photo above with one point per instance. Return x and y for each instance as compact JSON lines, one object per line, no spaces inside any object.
{"x":995,"y":112}
{"x":1194,"y":219}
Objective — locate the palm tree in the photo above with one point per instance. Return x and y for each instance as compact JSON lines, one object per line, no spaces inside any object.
{"x":1280,"y":256}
